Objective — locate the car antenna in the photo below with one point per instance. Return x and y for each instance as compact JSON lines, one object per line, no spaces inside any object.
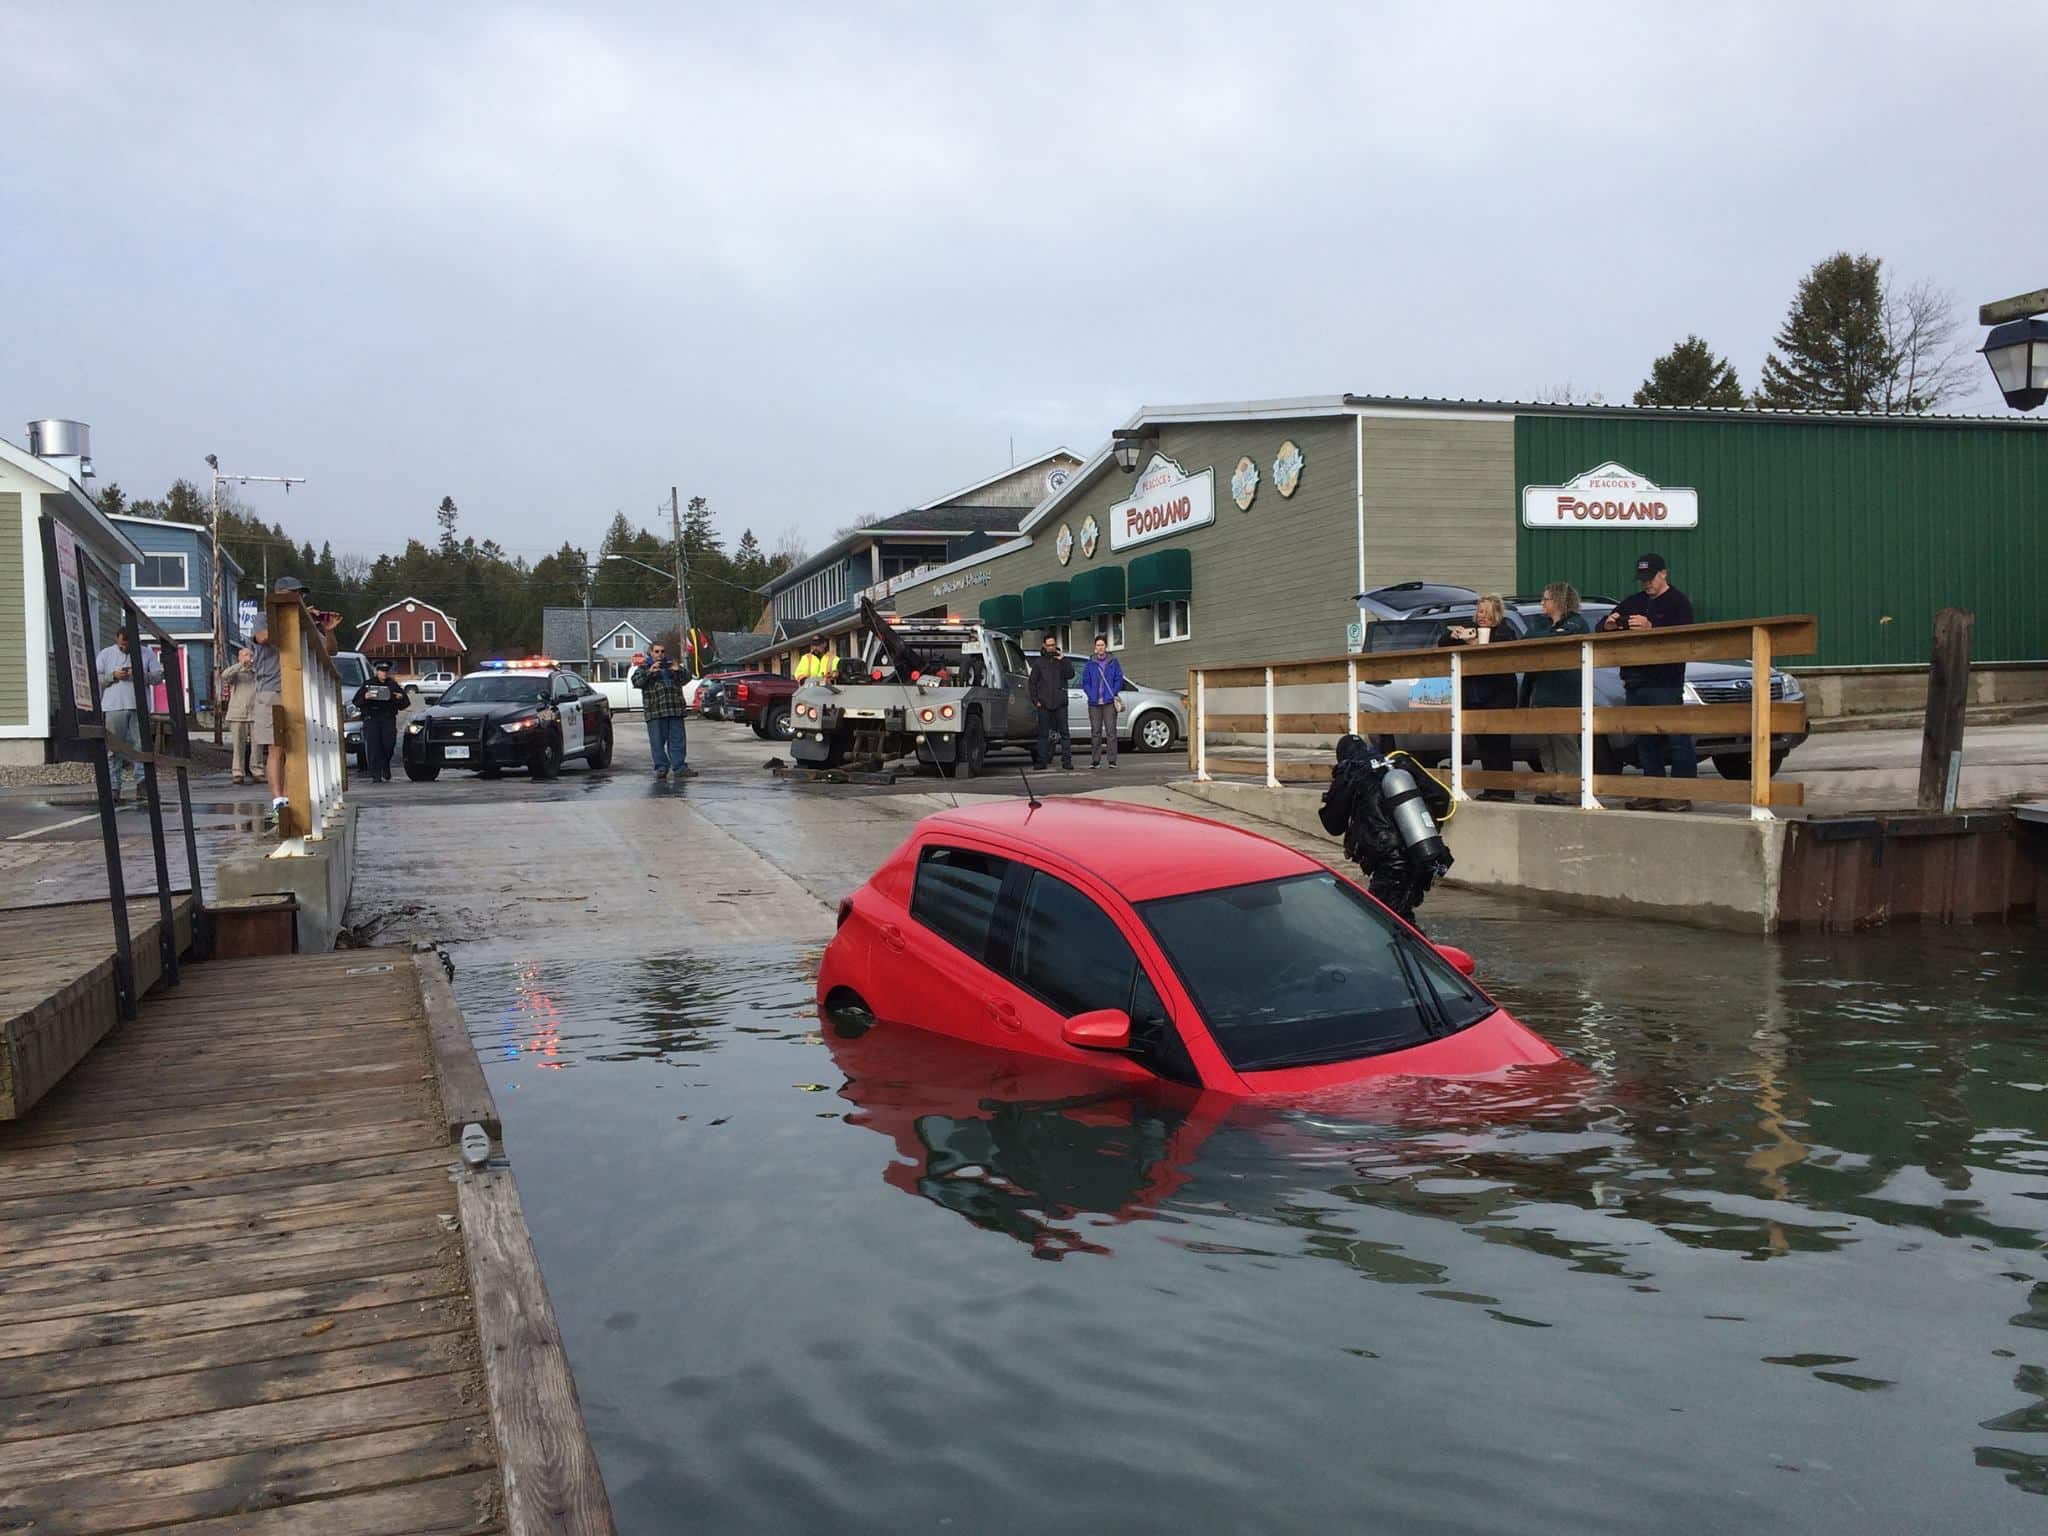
{"x":1029,"y":793}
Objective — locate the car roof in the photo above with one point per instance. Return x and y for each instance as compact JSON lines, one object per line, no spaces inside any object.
{"x":1138,"y":850}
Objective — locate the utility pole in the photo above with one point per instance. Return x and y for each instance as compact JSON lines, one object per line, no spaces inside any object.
{"x":675,"y":516}
{"x":589,"y":625}
{"x":219,"y":623}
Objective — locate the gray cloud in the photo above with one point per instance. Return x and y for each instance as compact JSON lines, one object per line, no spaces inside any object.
{"x":814,"y":262}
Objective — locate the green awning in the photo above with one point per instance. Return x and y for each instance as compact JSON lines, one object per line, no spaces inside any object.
{"x":1003,"y":613}
{"x":1098,"y":590}
{"x":1045,"y":605}
{"x":1165,"y":577}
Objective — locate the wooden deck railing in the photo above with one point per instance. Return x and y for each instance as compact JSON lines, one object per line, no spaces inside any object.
{"x":307,"y":726}
{"x":1756,"y":641}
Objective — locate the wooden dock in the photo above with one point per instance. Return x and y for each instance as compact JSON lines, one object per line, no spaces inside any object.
{"x":58,"y":993}
{"x":247,"y":1286}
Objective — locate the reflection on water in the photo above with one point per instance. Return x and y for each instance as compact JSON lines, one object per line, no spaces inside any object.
{"x":1777,"y":1253}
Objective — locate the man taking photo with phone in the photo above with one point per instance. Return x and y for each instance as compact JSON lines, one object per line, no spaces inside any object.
{"x":1658,"y":605}
{"x":660,"y":681}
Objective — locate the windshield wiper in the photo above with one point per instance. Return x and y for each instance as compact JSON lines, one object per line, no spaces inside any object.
{"x":1434,"y":1021}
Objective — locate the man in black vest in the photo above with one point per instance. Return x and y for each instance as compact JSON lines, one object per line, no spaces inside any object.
{"x":379,"y":701}
{"x":1051,"y":673}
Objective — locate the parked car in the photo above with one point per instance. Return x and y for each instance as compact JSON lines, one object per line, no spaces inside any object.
{"x":529,"y":715}
{"x":1157,"y":945}
{"x":693,"y":690}
{"x":724,"y":701}
{"x":354,"y":670}
{"x":433,"y":685}
{"x":1152,"y":719}
{"x":1399,"y":624}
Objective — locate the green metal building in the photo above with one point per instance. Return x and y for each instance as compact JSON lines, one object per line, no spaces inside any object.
{"x":1244,"y":530}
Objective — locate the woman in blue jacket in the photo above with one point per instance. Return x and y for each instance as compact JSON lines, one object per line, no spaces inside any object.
{"x":1102,"y":680}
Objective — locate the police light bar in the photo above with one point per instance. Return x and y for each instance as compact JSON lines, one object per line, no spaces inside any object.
{"x":528,"y":664}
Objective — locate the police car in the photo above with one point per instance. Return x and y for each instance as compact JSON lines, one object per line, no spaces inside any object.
{"x":530,"y":714}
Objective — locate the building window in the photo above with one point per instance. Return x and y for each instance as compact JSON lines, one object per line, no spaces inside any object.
{"x":1170,"y":622}
{"x":427,"y":632}
{"x":391,"y":631}
{"x":160,"y":573}
{"x":1110,"y":627}
{"x":622,"y":641}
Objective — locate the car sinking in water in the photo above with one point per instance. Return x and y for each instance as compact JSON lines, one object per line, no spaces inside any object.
{"x":1153,"y":946}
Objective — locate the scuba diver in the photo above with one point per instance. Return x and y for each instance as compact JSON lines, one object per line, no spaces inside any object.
{"x":1389,"y":811}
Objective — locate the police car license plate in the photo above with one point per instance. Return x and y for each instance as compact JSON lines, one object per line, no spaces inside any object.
{"x":455,"y":754}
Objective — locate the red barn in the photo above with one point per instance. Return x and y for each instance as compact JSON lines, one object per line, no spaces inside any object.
{"x":418,"y":638}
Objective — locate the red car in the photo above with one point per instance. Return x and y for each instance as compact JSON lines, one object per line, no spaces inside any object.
{"x":1155,"y":945}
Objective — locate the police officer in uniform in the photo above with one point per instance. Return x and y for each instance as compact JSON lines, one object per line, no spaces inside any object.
{"x":379,"y":701}
{"x":1388,"y":811}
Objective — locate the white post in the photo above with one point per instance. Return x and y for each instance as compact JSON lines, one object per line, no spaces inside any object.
{"x":1351,"y":694}
{"x":1202,"y":727}
{"x":1586,"y":800}
{"x":1272,"y":752}
{"x":1457,"y":727}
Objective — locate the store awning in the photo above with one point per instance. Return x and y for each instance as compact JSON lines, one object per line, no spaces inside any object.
{"x":1046,"y":605}
{"x":1165,"y":577}
{"x":1099,"y":590}
{"x":1003,"y":613}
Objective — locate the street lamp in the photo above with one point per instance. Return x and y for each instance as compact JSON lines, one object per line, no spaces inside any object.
{"x":2018,"y":354}
{"x":1129,"y":444}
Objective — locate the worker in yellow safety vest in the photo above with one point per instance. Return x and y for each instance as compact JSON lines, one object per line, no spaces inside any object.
{"x":814,"y":663}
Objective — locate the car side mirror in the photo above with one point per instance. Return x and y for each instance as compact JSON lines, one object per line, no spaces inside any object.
{"x":544,"y":697}
{"x":1106,"y":1029}
{"x":1461,"y":960}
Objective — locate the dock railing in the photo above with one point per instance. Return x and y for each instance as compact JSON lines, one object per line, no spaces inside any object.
{"x":307,"y":725}
{"x":1756,"y":641}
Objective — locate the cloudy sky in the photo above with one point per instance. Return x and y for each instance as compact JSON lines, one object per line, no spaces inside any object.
{"x":818,"y":261}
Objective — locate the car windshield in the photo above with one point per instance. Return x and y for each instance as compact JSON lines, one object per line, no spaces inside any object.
{"x":351,"y":670}
{"x":501,"y":689}
{"x":1296,"y":972}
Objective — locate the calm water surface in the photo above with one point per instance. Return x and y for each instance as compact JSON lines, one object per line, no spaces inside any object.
{"x":1772,"y":1262}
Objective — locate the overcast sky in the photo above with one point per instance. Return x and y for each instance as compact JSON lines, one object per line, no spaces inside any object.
{"x":820,"y":261}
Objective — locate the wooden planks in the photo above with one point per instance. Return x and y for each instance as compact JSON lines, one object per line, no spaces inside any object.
{"x":241,"y":1282}
{"x":465,"y":1096}
{"x":58,"y":993}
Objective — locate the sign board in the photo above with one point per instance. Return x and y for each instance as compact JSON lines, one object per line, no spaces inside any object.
{"x":1610,"y":497}
{"x":246,"y":612}
{"x":1168,"y":501}
{"x":1354,"y":638}
{"x":76,"y":643}
{"x":168,"y":607}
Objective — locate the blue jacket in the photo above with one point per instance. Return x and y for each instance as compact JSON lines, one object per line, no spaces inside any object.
{"x":1102,"y":680}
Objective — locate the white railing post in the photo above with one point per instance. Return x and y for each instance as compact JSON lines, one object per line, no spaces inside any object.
{"x":1272,"y":747}
{"x":1351,"y":695}
{"x":1202,"y":727}
{"x":1457,"y":726}
{"x":1587,"y":802}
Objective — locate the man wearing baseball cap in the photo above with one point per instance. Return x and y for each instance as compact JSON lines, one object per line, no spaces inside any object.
{"x":1658,"y":605}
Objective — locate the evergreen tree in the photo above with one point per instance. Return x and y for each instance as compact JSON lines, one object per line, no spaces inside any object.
{"x":1833,"y":353}
{"x":1690,"y":374}
{"x":445,"y":516}
{"x":112,"y":499}
{"x":699,"y":535}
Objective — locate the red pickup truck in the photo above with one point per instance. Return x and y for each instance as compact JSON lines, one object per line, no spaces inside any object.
{"x":763,"y":700}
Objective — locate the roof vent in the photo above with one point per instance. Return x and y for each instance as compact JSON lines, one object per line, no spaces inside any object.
{"x":65,"y":445}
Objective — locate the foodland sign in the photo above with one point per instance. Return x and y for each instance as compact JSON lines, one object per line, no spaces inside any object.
{"x":1609,"y":497}
{"x":1168,"y":501}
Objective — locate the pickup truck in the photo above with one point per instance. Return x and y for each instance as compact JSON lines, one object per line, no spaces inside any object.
{"x":763,"y":701}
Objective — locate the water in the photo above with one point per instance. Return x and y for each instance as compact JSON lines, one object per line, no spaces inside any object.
{"x":1772,"y":1262}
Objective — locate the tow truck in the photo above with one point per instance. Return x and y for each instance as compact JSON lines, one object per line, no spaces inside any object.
{"x":942,"y":691}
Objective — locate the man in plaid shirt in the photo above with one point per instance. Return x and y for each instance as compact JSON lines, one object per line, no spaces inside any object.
{"x":660,"y":682}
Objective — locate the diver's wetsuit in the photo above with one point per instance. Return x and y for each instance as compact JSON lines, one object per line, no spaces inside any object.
{"x":1354,"y":807}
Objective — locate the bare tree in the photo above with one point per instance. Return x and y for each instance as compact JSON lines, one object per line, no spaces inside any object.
{"x":789,"y":548}
{"x":1568,"y":394}
{"x":353,"y":568}
{"x":1933,"y":364}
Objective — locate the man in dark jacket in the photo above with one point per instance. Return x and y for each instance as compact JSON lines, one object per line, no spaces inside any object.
{"x":660,"y":680}
{"x":1050,"y":675}
{"x":1557,"y":753}
{"x":1355,"y":808}
{"x":1659,"y":605}
{"x":379,"y":701}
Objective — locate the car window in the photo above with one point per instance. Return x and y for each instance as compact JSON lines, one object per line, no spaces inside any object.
{"x":955,"y":895}
{"x":351,"y":670}
{"x":1070,"y":956}
{"x":1402,"y":634}
{"x":1306,"y":970}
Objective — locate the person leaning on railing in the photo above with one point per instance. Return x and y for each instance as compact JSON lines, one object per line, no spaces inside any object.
{"x":1489,"y":622}
{"x":1558,"y":754}
{"x":1659,"y":605}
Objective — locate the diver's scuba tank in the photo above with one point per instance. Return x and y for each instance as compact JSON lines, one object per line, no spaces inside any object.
{"x":1420,"y":837}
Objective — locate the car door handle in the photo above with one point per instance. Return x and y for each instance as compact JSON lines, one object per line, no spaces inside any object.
{"x":1003,"y":1014}
{"x":892,"y":937}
